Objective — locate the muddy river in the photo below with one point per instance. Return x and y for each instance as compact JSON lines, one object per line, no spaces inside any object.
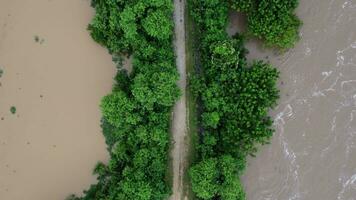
{"x":55,"y":75}
{"x":312,"y":155}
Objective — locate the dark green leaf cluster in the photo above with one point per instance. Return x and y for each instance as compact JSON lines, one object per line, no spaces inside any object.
{"x":125,"y":26}
{"x":271,"y":20}
{"x":136,"y":114}
{"x":13,"y":109}
{"x":214,"y":176}
{"x":235,"y":98}
{"x":242,"y":5}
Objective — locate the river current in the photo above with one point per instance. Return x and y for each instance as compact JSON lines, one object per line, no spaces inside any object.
{"x":312,"y":155}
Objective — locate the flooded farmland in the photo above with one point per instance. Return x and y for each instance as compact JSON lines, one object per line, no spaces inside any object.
{"x":54,"y":74}
{"x":312,"y":155}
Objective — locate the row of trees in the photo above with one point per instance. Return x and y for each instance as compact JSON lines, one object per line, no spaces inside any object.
{"x":136,"y":114}
{"x":235,"y":98}
{"x":274,"y":21}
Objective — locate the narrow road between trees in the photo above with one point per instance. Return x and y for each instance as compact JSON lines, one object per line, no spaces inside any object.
{"x":179,"y":125}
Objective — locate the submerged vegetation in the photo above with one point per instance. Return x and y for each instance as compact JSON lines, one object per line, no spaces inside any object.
{"x":13,"y":110}
{"x":235,"y":98}
{"x":274,"y":21}
{"x":136,"y":115}
{"x":38,"y":39}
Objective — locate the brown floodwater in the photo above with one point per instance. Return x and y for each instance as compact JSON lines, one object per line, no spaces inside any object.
{"x":50,"y":146}
{"x":55,"y":75}
{"x":312,"y":155}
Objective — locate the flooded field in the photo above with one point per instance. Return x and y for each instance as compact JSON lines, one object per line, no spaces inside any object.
{"x":54,"y":74}
{"x":312,"y":155}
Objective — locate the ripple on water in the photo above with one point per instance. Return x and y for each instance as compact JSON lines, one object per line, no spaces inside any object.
{"x":312,"y":155}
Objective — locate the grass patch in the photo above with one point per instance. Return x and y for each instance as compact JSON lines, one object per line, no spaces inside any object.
{"x":1,"y":72}
{"x":169,"y":171}
{"x":191,"y":103}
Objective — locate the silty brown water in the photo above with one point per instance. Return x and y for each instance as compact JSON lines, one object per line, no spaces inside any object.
{"x":55,"y":75}
{"x":312,"y":155}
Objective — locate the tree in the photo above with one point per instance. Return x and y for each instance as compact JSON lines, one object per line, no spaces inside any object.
{"x":119,"y":110}
{"x":273,"y":21}
{"x":235,"y":98}
{"x":158,"y":24}
{"x":136,"y":115}
{"x":204,"y":179}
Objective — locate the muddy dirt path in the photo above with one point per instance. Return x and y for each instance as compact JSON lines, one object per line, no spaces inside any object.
{"x":55,"y":75}
{"x":179,"y":125}
{"x":312,"y":155}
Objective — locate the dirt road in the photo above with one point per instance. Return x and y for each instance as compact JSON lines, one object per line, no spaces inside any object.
{"x":179,"y":125}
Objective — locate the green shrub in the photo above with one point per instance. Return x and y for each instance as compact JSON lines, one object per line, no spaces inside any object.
{"x":37,"y":38}
{"x":136,"y":114}
{"x":119,"y":110}
{"x":158,"y":25}
{"x":215,"y":178}
{"x":204,"y":177}
{"x":235,"y":98}
{"x":13,"y":109}
{"x":123,"y":26}
{"x":273,"y":21}
{"x":242,"y":5}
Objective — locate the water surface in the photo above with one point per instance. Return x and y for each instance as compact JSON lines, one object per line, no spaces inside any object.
{"x":312,"y":155}
{"x":55,"y":75}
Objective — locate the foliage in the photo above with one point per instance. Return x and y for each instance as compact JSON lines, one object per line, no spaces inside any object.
{"x":235,"y":98}
{"x":1,"y":72}
{"x":215,"y":177}
{"x":157,"y":25}
{"x":118,"y":110}
{"x":242,"y":5}
{"x":136,"y":114}
{"x":204,"y":177}
{"x":271,"y":20}
{"x":13,"y":109}
{"x":124,"y":26}
{"x":38,"y":39}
